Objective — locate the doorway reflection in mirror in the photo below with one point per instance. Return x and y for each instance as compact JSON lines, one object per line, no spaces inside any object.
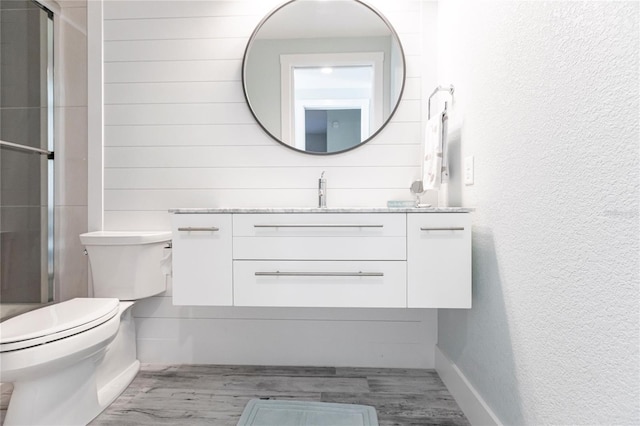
{"x":332,"y":107}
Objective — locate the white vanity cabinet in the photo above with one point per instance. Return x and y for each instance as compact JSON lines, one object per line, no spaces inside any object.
{"x":379,"y":258}
{"x":439,"y":261}
{"x":201,"y":257}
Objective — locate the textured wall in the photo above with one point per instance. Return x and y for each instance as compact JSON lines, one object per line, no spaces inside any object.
{"x":548,"y":93}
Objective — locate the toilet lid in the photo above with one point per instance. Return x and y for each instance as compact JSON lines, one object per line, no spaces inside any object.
{"x":55,"y":322}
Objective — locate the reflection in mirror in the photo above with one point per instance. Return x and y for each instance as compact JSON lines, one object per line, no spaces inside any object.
{"x":323,"y":76}
{"x":328,"y":115}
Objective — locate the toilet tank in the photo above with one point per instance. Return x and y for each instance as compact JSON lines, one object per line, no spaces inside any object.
{"x":126,"y":264}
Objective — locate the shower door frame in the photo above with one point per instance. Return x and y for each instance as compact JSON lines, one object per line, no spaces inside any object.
{"x":47,"y":220}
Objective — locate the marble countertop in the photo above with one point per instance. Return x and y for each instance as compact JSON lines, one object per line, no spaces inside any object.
{"x":322,"y":210}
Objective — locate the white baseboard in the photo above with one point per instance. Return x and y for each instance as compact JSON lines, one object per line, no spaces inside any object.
{"x":471,"y":403}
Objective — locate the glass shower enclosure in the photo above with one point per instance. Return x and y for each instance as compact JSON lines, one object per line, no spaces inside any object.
{"x":26,"y":156}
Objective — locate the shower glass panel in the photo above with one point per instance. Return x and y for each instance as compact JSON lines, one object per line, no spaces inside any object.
{"x":26,"y":156}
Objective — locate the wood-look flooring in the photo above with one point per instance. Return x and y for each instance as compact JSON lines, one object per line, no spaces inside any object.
{"x":216,"y":395}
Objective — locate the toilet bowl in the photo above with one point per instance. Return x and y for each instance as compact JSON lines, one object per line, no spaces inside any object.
{"x":68,"y":361}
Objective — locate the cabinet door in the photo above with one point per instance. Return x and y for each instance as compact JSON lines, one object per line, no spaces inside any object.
{"x":439,"y":260}
{"x":202,"y":264}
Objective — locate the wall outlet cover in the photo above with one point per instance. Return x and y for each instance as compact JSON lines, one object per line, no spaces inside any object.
{"x":468,"y":170}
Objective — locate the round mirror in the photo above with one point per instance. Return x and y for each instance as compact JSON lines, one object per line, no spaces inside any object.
{"x":323,"y":76}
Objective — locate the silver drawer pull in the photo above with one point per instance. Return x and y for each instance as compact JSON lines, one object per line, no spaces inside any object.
{"x":319,"y":274}
{"x":443,"y":229}
{"x":206,"y":228}
{"x":318,"y":225}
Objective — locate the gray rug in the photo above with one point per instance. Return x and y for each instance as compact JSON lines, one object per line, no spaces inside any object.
{"x":259,"y":412}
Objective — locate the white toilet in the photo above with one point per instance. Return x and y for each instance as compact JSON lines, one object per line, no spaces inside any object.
{"x":70,"y":360}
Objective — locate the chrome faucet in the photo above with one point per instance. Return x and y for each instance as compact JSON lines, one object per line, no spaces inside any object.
{"x":322,"y":191}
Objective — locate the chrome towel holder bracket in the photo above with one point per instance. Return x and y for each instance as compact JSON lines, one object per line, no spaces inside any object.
{"x":449,"y":89}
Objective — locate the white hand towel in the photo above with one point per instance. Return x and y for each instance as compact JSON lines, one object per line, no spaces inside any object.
{"x":436,"y":163}
{"x":432,"y":166}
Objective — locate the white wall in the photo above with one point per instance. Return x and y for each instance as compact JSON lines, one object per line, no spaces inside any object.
{"x":179,"y":134}
{"x":548,"y":93}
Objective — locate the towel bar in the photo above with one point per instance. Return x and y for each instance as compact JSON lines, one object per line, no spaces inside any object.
{"x":449,"y":89}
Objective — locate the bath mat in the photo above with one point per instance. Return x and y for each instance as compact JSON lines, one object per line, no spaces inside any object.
{"x":260,"y":412}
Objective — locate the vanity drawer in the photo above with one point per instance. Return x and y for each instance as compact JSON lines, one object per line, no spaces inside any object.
{"x":320,"y":284}
{"x":320,"y":225}
{"x":322,"y":236}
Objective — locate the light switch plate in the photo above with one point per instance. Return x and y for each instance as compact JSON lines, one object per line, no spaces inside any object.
{"x":468,"y":170}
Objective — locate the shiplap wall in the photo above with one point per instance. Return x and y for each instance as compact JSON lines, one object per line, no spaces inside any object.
{"x":178,"y":133}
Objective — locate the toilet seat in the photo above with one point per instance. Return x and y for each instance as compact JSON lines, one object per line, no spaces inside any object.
{"x":55,"y":322}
